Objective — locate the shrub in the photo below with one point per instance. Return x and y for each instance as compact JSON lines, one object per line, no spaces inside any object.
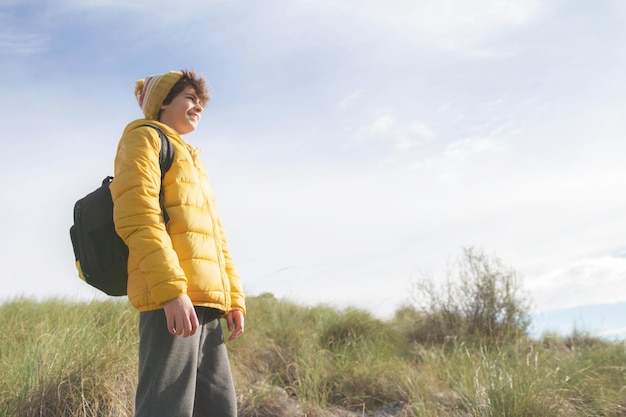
{"x":481,"y":300}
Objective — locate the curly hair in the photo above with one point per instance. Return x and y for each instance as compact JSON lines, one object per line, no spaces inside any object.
{"x":197,"y":82}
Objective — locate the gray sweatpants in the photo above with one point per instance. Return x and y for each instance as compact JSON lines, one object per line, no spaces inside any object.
{"x":183,"y":377}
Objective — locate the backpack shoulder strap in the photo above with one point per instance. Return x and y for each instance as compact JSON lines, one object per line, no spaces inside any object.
{"x":166,"y":157}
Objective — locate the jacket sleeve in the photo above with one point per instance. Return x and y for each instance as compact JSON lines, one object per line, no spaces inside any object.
{"x":238,"y":301}
{"x":137,"y":214}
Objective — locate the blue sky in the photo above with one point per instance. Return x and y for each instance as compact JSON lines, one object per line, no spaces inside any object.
{"x":354,"y":147}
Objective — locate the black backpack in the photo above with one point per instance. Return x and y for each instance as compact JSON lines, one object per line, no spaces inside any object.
{"x":101,"y":255}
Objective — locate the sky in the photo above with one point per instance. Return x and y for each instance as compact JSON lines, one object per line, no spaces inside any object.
{"x":354,"y":147}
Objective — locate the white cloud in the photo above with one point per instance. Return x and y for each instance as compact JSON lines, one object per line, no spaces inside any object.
{"x":460,"y":151}
{"x":403,"y":144}
{"x":597,"y":280}
{"x":351,"y":100}
{"x":382,"y":126}
{"x":618,"y":331}
{"x":21,"y":44}
{"x":421,"y":130}
{"x":182,"y":10}
{"x":20,"y":40}
{"x":400,"y":137}
{"x":457,"y":160}
{"x":451,"y":25}
{"x":443,"y":24}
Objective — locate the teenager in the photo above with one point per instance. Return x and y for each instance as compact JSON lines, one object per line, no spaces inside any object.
{"x":181,"y":276}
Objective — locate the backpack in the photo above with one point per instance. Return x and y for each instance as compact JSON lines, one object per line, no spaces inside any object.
{"x":101,"y":255}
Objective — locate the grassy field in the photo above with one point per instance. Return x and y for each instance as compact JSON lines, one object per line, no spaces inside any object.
{"x":79,"y":359}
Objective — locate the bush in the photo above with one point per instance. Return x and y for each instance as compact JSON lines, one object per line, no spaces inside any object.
{"x":481,"y":300}
{"x":79,"y":359}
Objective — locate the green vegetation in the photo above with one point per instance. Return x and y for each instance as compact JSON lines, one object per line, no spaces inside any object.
{"x":67,"y":359}
{"x":481,"y":301}
{"x":464,"y":355}
{"x":64,"y":359}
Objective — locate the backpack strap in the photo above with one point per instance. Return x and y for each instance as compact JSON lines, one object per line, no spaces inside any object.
{"x":166,"y":157}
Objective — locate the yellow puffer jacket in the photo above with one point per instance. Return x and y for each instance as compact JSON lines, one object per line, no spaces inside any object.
{"x":190,"y":255}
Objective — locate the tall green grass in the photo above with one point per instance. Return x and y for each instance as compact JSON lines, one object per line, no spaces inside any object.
{"x":66,"y":359}
{"x":79,"y":359}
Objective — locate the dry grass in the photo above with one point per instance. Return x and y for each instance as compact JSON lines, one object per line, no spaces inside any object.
{"x":66,"y":359}
{"x":61,"y":359}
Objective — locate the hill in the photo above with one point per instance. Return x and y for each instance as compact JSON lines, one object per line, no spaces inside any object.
{"x":79,"y":359}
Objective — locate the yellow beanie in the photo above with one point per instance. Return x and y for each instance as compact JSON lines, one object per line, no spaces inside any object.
{"x":152,"y":91}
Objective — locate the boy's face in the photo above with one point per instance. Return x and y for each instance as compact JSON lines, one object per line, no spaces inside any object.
{"x":183,"y":113}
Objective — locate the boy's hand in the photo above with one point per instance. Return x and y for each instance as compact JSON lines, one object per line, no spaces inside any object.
{"x":234,"y":320}
{"x":181,"y":316}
